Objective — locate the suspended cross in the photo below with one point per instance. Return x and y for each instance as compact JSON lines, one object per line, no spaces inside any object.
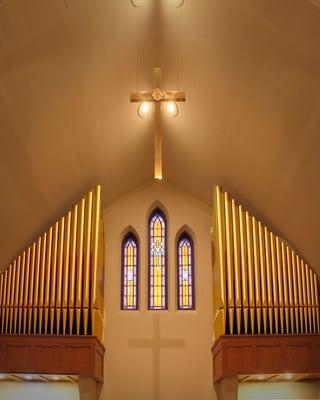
{"x":156,"y":344}
{"x":157,"y":96}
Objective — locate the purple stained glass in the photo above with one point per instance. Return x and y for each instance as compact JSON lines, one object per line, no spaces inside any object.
{"x":129,"y":282}
{"x":185,"y":273}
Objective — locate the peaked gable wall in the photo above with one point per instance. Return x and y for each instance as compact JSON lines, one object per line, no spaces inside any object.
{"x":132,"y":369}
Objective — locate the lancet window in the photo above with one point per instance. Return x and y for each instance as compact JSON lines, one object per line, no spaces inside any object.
{"x":129,"y":281}
{"x":157,"y":275}
{"x":185,"y":272}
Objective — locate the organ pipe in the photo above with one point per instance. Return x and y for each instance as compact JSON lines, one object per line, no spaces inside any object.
{"x":55,"y":286}
{"x":260,"y":285}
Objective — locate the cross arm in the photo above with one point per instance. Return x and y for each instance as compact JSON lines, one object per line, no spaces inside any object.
{"x":157,"y":95}
{"x":137,"y":97}
{"x":173,"y":95}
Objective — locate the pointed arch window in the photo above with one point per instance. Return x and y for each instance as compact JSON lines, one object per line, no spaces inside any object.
{"x":129,"y":275}
{"x":157,"y":275}
{"x":185,"y":272}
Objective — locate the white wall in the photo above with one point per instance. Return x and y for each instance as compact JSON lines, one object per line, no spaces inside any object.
{"x":278,"y":391}
{"x":184,"y":371}
{"x":38,"y":391}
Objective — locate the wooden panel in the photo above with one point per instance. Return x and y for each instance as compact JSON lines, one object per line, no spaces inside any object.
{"x":14,"y":351}
{"x":266,"y":354}
{"x":58,"y":354}
{"x":47,"y":351}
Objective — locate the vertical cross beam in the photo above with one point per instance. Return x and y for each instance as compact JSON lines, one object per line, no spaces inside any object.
{"x":157,"y":129}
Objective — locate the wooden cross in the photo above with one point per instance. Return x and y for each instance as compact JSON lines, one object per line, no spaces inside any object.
{"x":157,"y":96}
{"x":156,"y":344}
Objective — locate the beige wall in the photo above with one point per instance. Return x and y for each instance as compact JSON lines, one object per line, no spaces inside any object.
{"x":278,"y":391}
{"x":38,"y":391}
{"x":183,"y":371}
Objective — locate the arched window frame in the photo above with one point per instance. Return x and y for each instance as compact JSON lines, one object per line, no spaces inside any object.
{"x":185,"y":236}
{"x":162,"y":215}
{"x":129,"y":236}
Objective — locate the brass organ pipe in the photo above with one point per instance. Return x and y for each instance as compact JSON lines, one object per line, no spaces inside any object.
{"x":3,"y":297}
{"x":35,"y":302}
{"x":316,"y":301}
{"x":59,"y":275}
{"x":26,"y":290}
{"x":274,"y":283}
{"x":47,"y":280}
{"x":308,"y":297}
{"x":244,"y":272}
{"x":291,"y":299}
{"x":257,"y":274}
{"x":285,"y":286}
{"x":79,"y":274}
{"x":72,"y":293}
{"x":269,"y":278}
{"x":5,"y":281}
{"x":97,"y":262}
{"x":221,"y":304}
{"x":8,"y":300}
{"x":230,"y":276}
{"x":66,"y":273}
{"x":316,"y":306}
{"x":250,"y":271}
{"x":16,"y":295}
{"x":42,"y":282}
{"x":54,"y":277}
{"x":314,"y":325}
{"x":264,"y":300}
{"x":86,"y":271}
{"x":1,"y":301}
{"x":13,"y":287}
{"x":280,"y":284}
{"x":31,"y":287}
{"x":300,"y":296}
{"x":21,"y":292}
{"x":4,"y":301}
{"x":237,"y":271}
{"x":295,"y":291}
{"x":304,"y":297}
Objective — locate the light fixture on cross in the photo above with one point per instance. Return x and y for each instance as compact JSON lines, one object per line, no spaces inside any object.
{"x":157,"y":96}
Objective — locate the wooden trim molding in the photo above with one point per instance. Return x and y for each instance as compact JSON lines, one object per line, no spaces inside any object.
{"x":61,"y":355}
{"x":265,"y":354}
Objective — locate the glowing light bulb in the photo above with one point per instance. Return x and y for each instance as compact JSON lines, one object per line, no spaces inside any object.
{"x":172,"y":108}
{"x":55,"y":378}
{"x":143,"y":109}
{"x":28,"y":377}
{"x":288,"y":377}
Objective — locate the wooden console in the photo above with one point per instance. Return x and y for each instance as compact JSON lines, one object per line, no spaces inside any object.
{"x":61,"y":355}
{"x":237,"y":355}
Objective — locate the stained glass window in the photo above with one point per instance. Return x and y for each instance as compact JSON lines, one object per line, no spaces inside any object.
{"x":129,"y":283}
{"x":185,"y":275}
{"x":157,"y":261}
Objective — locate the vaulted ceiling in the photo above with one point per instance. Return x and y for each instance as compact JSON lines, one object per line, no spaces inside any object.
{"x":251,"y":123}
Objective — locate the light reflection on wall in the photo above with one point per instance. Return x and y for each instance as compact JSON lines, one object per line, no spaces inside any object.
{"x":279,"y":391}
{"x":38,"y":391}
